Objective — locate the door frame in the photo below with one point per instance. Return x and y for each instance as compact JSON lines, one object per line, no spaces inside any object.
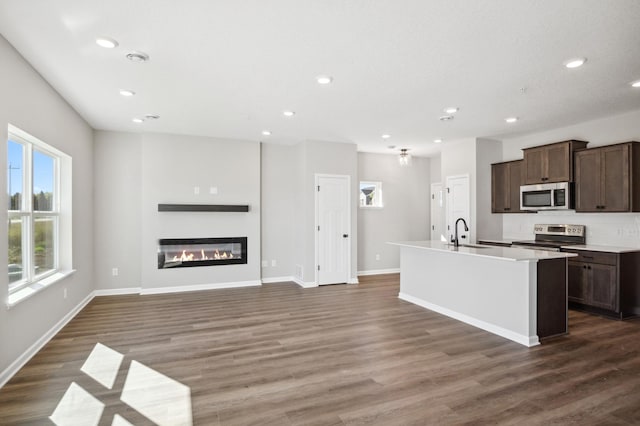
{"x":316,"y":223}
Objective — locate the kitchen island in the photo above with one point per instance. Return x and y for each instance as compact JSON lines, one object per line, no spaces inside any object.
{"x":519,"y":294}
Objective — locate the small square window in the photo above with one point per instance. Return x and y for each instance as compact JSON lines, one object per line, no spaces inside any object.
{"x":371,"y":195}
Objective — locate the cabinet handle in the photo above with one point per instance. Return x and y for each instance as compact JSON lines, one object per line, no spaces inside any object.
{"x":587,"y":257}
{"x":584,"y":266}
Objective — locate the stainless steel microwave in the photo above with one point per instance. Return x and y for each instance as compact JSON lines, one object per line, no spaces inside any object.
{"x":546,"y":196}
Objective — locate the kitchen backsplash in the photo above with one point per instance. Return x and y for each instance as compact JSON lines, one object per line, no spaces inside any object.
{"x":612,"y":229}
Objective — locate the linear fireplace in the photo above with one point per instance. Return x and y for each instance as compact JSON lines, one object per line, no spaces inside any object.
{"x":189,"y":252}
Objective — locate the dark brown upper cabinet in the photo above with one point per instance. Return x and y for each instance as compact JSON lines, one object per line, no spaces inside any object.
{"x":607,"y":178}
{"x":506,"y":179}
{"x":551,"y":163}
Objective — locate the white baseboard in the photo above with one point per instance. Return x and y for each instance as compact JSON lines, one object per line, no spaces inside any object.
{"x":117,"y":291}
{"x":304,"y":284}
{"x":379,"y":271}
{"x":507,"y":334}
{"x":353,"y":281}
{"x":198,"y":287}
{"x":277,"y":280}
{"x":16,"y":365}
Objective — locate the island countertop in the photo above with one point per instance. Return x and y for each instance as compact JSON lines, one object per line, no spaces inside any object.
{"x":505,"y":253}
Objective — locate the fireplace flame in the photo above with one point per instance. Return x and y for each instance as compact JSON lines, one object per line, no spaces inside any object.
{"x":188,"y":257}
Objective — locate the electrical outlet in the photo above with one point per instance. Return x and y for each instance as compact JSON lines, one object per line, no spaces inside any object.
{"x":65,"y":292}
{"x":274,"y":263}
{"x":213,"y":190}
{"x":265,"y":263}
{"x":196,"y":190}
{"x":114,"y":272}
{"x":377,"y":257}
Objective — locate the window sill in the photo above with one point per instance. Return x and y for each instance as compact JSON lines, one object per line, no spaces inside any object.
{"x":35,"y":287}
{"x":371,"y":207}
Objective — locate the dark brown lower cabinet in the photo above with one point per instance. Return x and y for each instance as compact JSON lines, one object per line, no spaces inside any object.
{"x":551,"y":309}
{"x":606,"y":283}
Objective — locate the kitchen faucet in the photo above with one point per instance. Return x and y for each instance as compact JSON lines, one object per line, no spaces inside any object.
{"x":455,"y":241}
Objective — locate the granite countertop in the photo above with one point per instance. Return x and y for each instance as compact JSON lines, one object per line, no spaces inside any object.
{"x":505,"y":253}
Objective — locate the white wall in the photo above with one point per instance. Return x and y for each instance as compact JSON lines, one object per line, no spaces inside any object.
{"x":488,"y":225}
{"x":280,"y":168}
{"x":405,"y":215}
{"x":117,"y":179}
{"x":29,"y":103}
{"x":620,"y":229}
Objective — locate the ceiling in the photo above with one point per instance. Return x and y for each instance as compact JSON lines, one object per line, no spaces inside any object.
{"x":230,"y":68}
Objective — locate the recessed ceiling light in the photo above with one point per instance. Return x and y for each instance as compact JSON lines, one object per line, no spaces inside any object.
{"x":511,"y":119}
{"x":106,"y":42}
{"x":437,"y":141}
{"x":266,"y":132}
{"x":635,"y":84}
{"x":137,"y":120}
{"x":446,"y":118}
{"x":288,"y":113}
{"x":127,"y":93}
{"x":386,"y":136}
{"x":575,"y":62}
{"x":391,"y":147}
{"x":151,"y":116}
{"x":137,"y":57}
{"x":324,"y":79}
{"x":451,"y":110}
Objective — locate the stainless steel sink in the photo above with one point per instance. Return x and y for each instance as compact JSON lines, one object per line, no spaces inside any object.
{"x":480,"y":246}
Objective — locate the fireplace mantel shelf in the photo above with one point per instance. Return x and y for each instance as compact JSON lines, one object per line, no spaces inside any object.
{"x":203,"y":207}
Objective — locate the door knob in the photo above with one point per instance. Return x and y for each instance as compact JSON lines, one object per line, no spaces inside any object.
{"x":345,"y":235}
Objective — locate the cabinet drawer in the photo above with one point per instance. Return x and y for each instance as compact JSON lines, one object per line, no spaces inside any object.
{"x":594,"y":257}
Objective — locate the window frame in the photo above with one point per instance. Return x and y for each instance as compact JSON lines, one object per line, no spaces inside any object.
{"x":27,"y":212}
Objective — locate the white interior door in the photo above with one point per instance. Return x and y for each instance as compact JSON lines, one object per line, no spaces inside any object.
{"x":437,"y":212}
{"x":458,"y":205}
{"x":333,"y":249}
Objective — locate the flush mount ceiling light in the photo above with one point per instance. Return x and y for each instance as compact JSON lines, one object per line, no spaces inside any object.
{"x":635,"y":84}
{"x":288,"y":113}
{"x":137,"y":120}
{"x":511,"y":119}
{"x":127,"y":93}
{"x":446,"y":118}
{"x":404,"y":158}
{"x":137,"y":57}
{"x":106,"y":42}
{"x":151,"y":116}
{"x":385,"y":136}
{"x":575,"y":62}
{"x":451,"y":110}
{"x":437,"y":141}
{"x":324,"y":79}
{"x":266,"y":133}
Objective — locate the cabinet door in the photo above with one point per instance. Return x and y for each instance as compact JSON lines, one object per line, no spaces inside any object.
{"x":614,"y":190}
{"x":604,"y":286}
{"x":516,"y":179}
{"x":534,"y":160}
{"x":578,"y":282}
{"x":499,"y":187}
{"x":558,"y":163}
{"x":588,"y":181}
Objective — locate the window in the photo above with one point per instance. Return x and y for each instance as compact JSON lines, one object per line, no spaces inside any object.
{"x":34,"y":205}
{"x":371,"y":194}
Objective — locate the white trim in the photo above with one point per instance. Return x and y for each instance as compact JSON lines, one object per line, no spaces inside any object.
{"x":353,"y":281}
{"x":316,"y":223}
{"x":16,"y":365}
{"x":508,"y":334}
{"x":277,"y":280}
{"x":198,"y":287}
{"x":379,"y":271}
{"x":304,"y":284}
{"x":117,"y":291}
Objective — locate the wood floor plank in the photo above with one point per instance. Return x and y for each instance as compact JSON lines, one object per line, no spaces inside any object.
{"x":336,"y":355}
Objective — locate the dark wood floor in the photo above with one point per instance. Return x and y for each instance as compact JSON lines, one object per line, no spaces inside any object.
{"x":349,"y":354}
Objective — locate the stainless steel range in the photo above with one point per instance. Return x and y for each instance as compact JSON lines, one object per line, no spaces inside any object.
{"x":552,"y":237}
